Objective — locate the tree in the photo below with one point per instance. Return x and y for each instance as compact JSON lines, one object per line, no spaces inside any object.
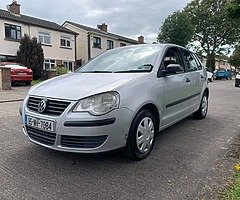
{"x":213,"y":28}
{"x":176,"y":29}
{"x":235,"y":58}
{"x":233,"y":9}
{"x":30,"y":54}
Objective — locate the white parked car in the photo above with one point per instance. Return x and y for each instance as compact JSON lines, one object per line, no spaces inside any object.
{"x":120,"y":99}
{"x":209,"y":74}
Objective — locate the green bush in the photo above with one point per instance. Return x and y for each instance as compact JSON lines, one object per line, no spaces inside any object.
{"x":60,"y":69}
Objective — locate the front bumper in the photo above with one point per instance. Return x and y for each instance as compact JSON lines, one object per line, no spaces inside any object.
{"x":81,"y":132}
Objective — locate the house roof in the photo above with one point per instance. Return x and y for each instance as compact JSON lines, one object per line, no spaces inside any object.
{"x":33,"y":21}
{"x":107,"y":34}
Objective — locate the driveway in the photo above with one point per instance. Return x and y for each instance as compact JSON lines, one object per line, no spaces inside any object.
{"x":188,"y":162}
{"x":17,"y":93}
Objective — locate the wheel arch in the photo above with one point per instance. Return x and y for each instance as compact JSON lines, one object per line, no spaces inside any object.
{"x":153,"y":109}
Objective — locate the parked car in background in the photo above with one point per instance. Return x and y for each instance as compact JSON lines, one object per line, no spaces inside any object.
{"x":223,"y":73}
{"x":209,"y":74}
{"x":19,"y":73}
{"x":120,"y":99}
{"x":237,"y":80}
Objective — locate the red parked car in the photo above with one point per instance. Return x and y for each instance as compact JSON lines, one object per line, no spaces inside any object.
{"x":19,"y":73}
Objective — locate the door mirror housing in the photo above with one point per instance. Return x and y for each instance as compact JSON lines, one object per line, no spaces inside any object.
{"x":173,"y":69}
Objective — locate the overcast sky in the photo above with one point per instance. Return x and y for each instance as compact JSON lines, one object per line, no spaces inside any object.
{"x":130,"y":18}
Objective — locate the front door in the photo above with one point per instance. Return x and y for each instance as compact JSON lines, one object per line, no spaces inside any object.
{"x":177,"y":89}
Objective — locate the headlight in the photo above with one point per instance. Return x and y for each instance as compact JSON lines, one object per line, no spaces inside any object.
{"x":98,"y":104}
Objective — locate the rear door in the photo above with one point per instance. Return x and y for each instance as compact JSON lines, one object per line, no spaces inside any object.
{"x":197,"y":76}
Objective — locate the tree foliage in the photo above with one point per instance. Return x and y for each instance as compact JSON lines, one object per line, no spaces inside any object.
{"x":233,"y":9}
{"x":213,"y":28}
{"x":235,"y":58}
{"x":176,"y":29}
{"x":30,"y":54}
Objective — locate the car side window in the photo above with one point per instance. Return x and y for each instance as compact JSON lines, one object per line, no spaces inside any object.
{"x":172,"y":56}
{"x":190,"y":60}
{"x":200,"y":65}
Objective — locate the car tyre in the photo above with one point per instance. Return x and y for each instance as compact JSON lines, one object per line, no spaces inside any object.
{"x":201,"y":113}
{"x":211,"y":79}
{"x":141,"y":136}
{"x":28,"y":83}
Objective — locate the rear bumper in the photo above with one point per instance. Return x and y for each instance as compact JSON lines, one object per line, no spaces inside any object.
{"x":21,"y":78}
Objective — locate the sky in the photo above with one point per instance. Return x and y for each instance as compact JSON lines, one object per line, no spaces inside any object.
{"x":130,"y":18}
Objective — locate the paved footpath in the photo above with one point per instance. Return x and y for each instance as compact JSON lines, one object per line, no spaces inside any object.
{"x":15,"y":94}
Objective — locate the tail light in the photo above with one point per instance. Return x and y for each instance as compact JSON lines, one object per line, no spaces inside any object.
{"x":29,"y":72}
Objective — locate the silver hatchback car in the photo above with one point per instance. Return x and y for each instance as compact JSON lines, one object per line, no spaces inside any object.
{"x":121,"y":98}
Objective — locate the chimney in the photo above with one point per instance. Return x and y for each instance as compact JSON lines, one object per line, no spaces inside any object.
{"x":14,"y":7}
{"x":102,"y":27}
{"x":141,"y":39}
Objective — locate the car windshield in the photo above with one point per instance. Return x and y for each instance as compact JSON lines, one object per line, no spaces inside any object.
{"x":121,"y":60}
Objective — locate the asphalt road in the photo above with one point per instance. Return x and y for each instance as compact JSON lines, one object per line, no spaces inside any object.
{"x":182,"y":165}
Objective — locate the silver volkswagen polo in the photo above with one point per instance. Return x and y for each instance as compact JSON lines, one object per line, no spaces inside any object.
{"x":121,"y":98}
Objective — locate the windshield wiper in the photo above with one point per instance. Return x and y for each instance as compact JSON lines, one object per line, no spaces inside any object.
{"x":132,"y":71}
{"x":96,"y":72}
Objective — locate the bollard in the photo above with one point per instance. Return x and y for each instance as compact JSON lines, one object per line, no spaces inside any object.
{"x":5,"y":78}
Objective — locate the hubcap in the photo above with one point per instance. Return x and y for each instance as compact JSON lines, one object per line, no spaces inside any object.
{"x":145,"y":135}
{"x":204,"y":105}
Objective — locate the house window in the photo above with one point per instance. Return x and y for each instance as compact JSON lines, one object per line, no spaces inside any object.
{"x":49,"y":64}
{"x":68,"y":65}
{"x":109,"y":44}
{"x":65,"y":41}
{"x":97,"y":42}
{"x":13,"y":32}
{"x":44,"y":38}
{"x":122,"y":44}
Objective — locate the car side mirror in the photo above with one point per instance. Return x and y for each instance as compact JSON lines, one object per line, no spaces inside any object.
{"x":173,"y":69}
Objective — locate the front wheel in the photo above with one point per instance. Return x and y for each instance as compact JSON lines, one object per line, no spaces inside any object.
{"x":211,"y":79}
{"x":141,"y":136}
{"x":201,"y":113}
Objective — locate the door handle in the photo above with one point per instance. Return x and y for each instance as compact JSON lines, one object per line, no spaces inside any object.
{"x":188,"y":80}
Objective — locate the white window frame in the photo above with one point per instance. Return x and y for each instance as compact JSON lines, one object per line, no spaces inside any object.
{"x":52,"y":64}
{"x":110,"y":44}
{"x":97,"y":42}
{"x":67,"y":39}
{"x":67,"y":65}
{"x":44,"y":35}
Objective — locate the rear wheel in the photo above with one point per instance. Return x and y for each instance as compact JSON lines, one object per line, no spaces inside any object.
{"x":141,"y":135}
{"x":211,"y":79}
{"x":201,"y":113}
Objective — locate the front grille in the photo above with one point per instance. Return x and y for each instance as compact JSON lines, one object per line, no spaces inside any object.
{"x":41,"y":136}
{"x":82,"y":141}
{"x":54,"y":107}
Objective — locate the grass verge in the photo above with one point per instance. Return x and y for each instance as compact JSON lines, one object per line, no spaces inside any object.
{"x":232,"y":192}
{"x":34,"y":82}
